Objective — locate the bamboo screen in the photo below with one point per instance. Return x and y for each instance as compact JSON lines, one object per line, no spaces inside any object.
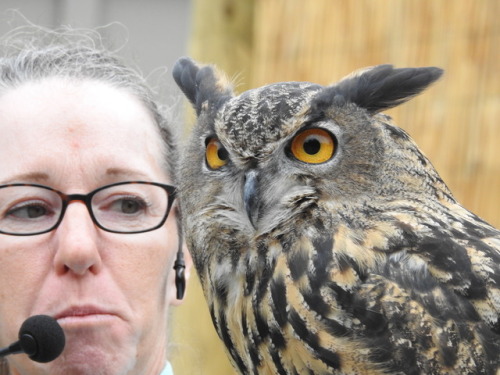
{"x":456,"y":122}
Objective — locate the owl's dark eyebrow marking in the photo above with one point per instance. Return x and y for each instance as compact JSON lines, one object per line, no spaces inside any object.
{"x":313,"y":120}
{"x":208,"y":138}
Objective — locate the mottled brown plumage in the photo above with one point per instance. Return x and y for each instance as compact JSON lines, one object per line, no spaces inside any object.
{"x":325,"y":241}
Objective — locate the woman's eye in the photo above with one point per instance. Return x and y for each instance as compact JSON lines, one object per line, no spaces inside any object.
{"x":215,"y":154}
{"x":313,"y":146}
{"x":128,"y":205}
{"x":28,"y":210}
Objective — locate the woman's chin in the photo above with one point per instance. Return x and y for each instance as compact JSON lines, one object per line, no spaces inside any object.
{"x":94,"y":348}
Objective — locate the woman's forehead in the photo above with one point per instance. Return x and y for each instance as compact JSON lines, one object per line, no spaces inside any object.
{"x":86,"y":122}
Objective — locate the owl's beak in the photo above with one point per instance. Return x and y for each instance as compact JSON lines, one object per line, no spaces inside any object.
{"x":250,"y":195}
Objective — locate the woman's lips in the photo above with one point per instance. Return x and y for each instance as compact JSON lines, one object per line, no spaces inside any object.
{"x":85,"y":314}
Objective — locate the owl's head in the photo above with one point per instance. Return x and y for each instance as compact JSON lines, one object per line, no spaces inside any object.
{"x":261,"y":158}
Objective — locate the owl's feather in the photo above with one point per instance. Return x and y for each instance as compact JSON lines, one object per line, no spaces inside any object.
{"x":360,"y":264}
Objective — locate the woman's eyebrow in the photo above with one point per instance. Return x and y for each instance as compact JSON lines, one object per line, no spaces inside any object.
{"x":41,"y":177}
{"x":25,"y":177}
{"x":126,"y":172}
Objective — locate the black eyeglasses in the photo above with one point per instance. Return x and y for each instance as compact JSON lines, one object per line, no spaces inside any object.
{"x":124,"y":207}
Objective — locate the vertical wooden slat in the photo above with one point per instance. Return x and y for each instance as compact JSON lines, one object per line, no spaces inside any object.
{"x":222,"y":34}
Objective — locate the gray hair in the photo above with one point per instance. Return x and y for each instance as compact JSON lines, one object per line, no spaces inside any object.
{"x":33,"y":53}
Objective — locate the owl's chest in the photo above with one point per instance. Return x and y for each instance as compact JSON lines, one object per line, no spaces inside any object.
{"x":277,"y":308}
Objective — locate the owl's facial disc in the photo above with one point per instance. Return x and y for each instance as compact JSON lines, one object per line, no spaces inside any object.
{"x":250,"y":195}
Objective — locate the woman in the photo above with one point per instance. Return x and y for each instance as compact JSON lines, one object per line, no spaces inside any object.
{"x":80,"y":239}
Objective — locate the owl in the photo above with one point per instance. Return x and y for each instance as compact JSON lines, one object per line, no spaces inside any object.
{"x":325,"y":241}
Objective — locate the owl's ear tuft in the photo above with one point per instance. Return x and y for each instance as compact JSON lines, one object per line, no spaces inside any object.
{"x":382,"y":87}
{"x":184,"y":73}
{"x":200,"y":83}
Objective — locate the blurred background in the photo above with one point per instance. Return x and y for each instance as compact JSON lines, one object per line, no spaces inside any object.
{"x":456,"y":122}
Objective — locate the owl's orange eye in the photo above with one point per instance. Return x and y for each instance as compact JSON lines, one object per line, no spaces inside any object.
{"x":313,"y":146}
{"x":215,"y":154}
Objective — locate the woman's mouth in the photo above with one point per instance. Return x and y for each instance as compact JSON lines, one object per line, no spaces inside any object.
{"x":83,"y":314}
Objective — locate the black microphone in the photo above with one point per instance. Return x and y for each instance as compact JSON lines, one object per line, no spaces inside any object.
{"x":40,"y":337}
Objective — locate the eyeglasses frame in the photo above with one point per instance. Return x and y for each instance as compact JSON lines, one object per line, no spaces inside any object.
{"x":87,"y":198}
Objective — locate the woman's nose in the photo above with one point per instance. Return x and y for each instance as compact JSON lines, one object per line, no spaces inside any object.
{"x":77,"y":242}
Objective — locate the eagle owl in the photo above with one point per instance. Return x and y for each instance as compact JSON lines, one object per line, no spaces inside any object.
{"x":325,"y":241}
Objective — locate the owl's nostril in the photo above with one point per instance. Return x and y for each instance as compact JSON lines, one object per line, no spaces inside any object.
{"x":251,"y":195}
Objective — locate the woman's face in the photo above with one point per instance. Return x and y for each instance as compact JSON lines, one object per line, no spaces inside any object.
{"x":110,"y":292}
